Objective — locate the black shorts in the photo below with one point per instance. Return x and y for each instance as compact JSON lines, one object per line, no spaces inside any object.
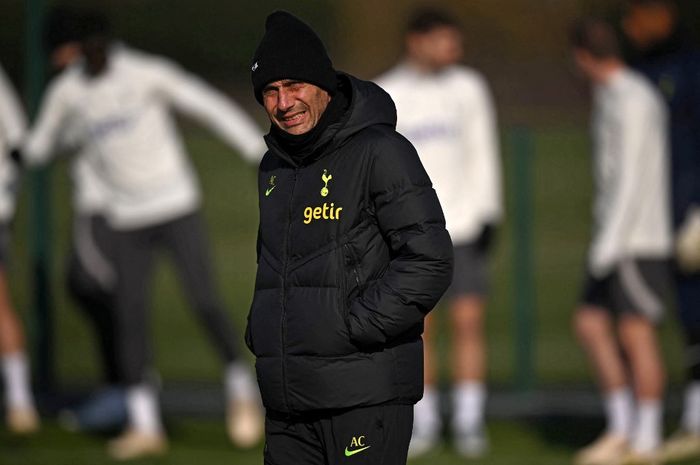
{"x":377,"y":435}
{"x":635,"y":286}
{"x":470,"y":276}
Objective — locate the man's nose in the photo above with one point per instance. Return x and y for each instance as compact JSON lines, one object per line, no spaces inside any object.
{"x":284,"y":100}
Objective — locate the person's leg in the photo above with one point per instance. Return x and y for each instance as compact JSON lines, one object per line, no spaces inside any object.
{"x":684,"y":444}
{"x":134,"y":259}
{"x":639,"y":291}
{"x":291,"y":442}
{"x":22,"y":417}
{"x":19,"y":401}
{"x":468,"y":342}
{"x":97,"y":306}
{"x":595,"y":330}
{"x":11,"y":334}
{"x":186,"y":240}
{"x":469,"y":370}
{"x":91,"y":282}
{"x":688,"y":293}
{"x":638,"y":337}
{"x":428,"y":420}
{"x":467,"y":296}
{"x":377,"y":435}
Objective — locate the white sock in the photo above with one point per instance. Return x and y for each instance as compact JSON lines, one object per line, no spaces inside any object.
{"x":144,"y":413}
{"x":239,"y":383}
{"x":691,"y":408}
{"x":15,"y":370}
{"x":647,"y":434}
{"x":469,"y":398}
{"x":426,"y":421}
{"x":619,"y":411}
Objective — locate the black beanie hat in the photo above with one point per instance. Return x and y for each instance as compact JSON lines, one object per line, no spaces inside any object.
{"x":290,"y":49}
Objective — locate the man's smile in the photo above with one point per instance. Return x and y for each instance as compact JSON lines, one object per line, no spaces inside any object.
{"x":293,"y":119}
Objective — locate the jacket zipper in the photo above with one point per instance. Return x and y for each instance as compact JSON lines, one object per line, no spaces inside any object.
{"x":283,"y":325}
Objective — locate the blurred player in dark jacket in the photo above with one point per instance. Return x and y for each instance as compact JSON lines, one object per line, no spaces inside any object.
{"x":663,"y":52}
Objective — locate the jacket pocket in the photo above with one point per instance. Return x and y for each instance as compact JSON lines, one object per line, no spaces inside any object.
{"x":351,"y":282}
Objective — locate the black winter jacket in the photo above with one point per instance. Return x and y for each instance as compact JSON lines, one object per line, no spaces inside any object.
{"x":352,"y":254}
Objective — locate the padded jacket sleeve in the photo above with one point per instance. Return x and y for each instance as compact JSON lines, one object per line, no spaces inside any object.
{"x":411,"y":221}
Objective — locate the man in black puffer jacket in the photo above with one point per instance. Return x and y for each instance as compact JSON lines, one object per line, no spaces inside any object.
{"x":352,"y":254}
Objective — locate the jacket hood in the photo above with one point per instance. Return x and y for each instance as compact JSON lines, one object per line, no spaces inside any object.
{"x":369,"y":106}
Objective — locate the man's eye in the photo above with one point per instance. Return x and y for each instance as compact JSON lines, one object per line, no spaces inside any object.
{"x":269,"y":92}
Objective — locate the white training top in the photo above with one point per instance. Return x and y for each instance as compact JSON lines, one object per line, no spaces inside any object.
{"x":631,"y":157}
{"x":123,"y":118}
{"x":450,"y":119}
{"x":13,"y":124}
{"x":90,"y":195}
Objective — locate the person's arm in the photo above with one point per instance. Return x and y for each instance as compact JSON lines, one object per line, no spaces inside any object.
{"x":635,"y":122}
{"x":696,"y":124}
{"x":410,"y":217}
{"x":482,"y":147}
{"x":193,"y":97}
{"x":41,"y":142}
{"x":13,"y":122}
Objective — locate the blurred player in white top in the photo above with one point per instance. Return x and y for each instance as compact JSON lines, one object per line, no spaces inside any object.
{"x":120,"y":104}
{"x":91,"y":275}
{"x":628,"y":269}
{"x":19,"y":402}
{"x":445,"y":110}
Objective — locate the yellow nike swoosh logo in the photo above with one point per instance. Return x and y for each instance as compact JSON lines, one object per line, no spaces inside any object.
{"x":350,"y":453}
{"x":267,"y":192}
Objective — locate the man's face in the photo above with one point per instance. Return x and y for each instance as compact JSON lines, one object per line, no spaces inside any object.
{"x":437,"y":48}
{"x":294,"y":106}
{"x":64,"y":55}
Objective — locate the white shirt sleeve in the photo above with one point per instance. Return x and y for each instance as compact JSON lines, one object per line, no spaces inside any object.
{"x":45,"y":135}
{"x":484,"y":152}
{"x":194,"y":97}
{"x":13,"y":122}
{"x":631,"y":127}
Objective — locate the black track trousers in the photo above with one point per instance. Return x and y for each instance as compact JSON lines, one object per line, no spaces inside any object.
{"x":376,"y":435}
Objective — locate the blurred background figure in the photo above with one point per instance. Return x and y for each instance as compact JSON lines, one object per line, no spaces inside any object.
{"x":91,"y":275}
{"x":663,"y":52}
{"x":61,"y":34}
{"x":118,"y":101}
{"x":446,"y":111}
{"x":627,"y":260}
{"x":19,"y":403}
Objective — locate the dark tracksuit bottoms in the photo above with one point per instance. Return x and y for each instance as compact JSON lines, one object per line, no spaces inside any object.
{"x":91,"y":281}
{"x":374,"y":435}
{"x":184,"y":239}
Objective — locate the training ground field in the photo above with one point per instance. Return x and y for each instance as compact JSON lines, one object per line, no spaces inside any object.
{"x":534,"y":442}
{"x":561,"y":199}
